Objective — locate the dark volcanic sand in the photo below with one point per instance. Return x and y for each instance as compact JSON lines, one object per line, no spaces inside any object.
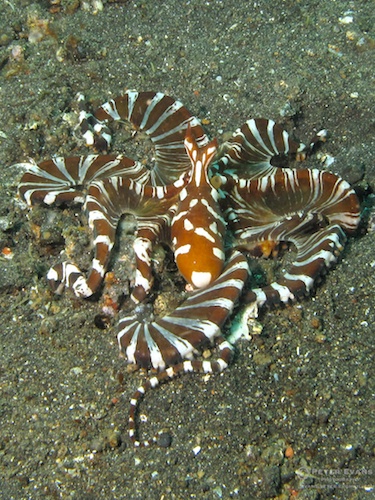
{"x":307,"y":382}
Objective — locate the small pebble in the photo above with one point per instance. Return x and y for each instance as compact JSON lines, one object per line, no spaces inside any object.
{"x":164,"y":440}
{"x":289,"y":452}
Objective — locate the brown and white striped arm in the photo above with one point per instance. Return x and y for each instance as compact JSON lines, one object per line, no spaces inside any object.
{"x":308,"y":208}
{"x":260,"y":147}
{"x":106,"y":201}
{"x":171,"y":343}
{"x":65,"y":180}
{"x":161,"y":117}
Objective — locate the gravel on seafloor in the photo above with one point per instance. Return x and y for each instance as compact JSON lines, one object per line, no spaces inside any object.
{"x":293,"y":416}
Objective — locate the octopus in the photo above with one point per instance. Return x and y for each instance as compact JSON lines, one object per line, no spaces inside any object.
{"x":215,"y":207}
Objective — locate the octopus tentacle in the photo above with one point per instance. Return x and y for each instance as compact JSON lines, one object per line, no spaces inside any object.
{"x":308,"y":208}
{"x":106,"y":201}
{"x":174,"y":337}
{"x":150,"y":231}
{"x":65,"y":180}
{"x":161,"y":117}
{"x":259,"y":147}
{"x":254,"y":146}
{"x":166,"y":342}
{"x":315,"y":254}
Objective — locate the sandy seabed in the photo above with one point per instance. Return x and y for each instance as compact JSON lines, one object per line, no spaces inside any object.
{"x":293,"y":416}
